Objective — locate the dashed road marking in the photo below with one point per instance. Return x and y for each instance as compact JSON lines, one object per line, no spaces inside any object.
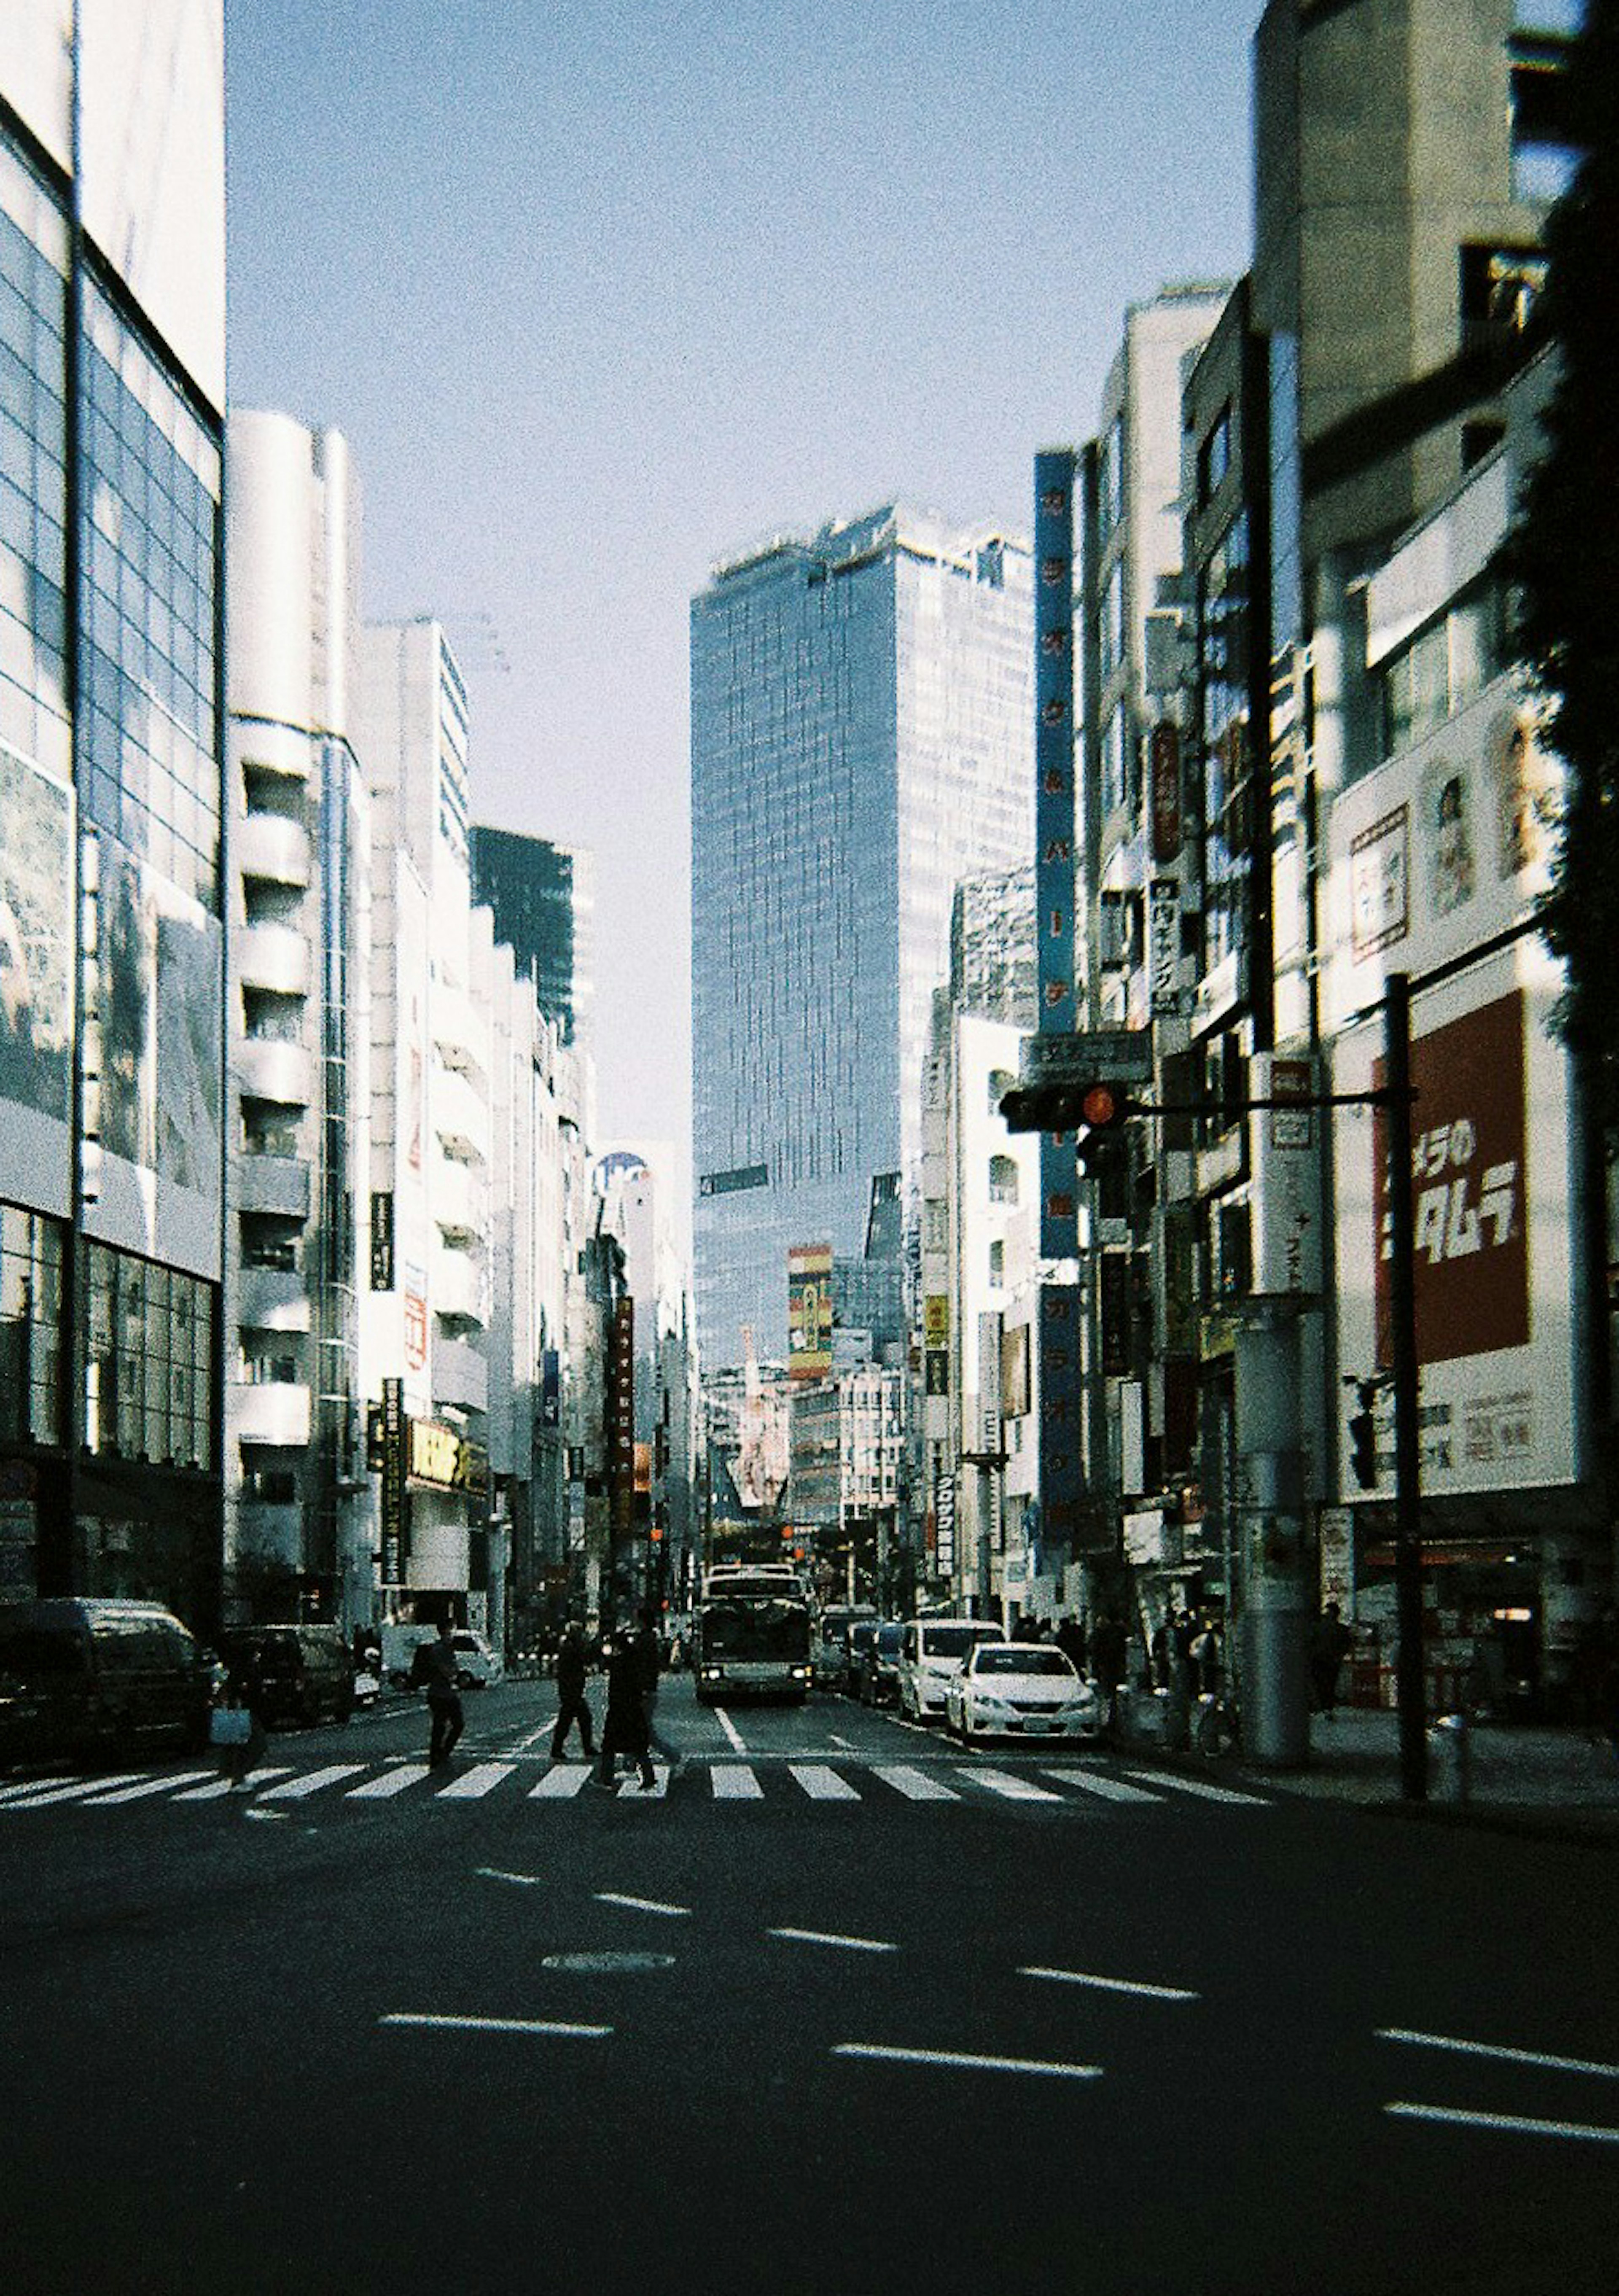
{"x":1502,"y":2056}
{"x":731,"y":1730}
{"x":966,"y":2061}
{"x":641,"y":1904}
{"x":1111,"y":1984}
{"x":1507,"y":2123}
{"x":830,"y":1937}
{"x":541,"y":2025}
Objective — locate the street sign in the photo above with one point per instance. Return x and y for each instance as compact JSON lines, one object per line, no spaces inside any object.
{"x":1104,"y":1055}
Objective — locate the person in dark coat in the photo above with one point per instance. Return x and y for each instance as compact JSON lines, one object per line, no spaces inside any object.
{"x":625,"y":1731}
{"x":572,"y":1705}
{"x":436,"y":1665}
{"x":1329,"y":1646}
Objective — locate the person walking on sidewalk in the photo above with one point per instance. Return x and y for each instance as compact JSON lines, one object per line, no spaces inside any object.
{"x":625,"y":1729}
{"x":1329,"y":1646}
{"x":435,"y":1664}
{"x":572,"y":1705}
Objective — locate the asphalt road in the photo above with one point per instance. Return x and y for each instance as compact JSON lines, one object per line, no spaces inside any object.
{"x":1009,"y":2029}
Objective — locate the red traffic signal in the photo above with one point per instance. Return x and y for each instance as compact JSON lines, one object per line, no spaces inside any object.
{"x":1102,"y":1107}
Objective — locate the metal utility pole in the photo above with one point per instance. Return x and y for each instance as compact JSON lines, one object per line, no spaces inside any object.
{"x":1409,"y":1683}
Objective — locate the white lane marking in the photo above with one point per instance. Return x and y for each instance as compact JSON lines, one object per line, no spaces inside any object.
{"x":522,"y":1745}
{"x":559,"y":1785}
{"x":77,"y":1791}
{"x":1111,"y":1984}
{"x":495,"y":2025}
{"x":641,"y":1904}
{"x":1107,"y":1789}
{"x":473,"y":1785}
{"x":222,"y":1787}
{"x":967,"y":2061}
{"x":1514,"y":2124}
{"x":300,"y":1789}
{"x":729,"y":1728}
{"x":1167,"y":1782}
{"x":916,"y":1785}
{"x":846,"y":1744}
{"x":734,"y":1782}
{"x":1502,"y":2054}
{"x":493,"y":1873}
{"x":147,"y":1788}
{"x":391,"y":1781}
{"x":821,"y":1783}
{"x":1011,"y":1788}
{"x":830,"y":1937}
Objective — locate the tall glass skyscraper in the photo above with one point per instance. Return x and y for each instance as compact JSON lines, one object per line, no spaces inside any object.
{"x":862,"y":738}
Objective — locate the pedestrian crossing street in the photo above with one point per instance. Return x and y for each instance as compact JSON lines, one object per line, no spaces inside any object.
{"x":282,"y":1787}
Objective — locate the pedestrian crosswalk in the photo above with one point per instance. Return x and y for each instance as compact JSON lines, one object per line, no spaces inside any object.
{"x":1070,"y":1786}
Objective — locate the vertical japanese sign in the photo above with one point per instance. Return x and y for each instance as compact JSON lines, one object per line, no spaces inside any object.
{"x":1062,"y":1467}
{"x":392,"y":1494}
{"x":1054,"y":815}
{"x":621,"y":1421}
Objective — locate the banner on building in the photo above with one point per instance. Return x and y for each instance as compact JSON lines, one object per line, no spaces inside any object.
{"x":1055,"y":815}
{"x":391,"y":1494}
{"x":809,"y":1310}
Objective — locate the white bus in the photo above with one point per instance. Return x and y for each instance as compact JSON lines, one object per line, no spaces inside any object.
{"x":751,"y":1635}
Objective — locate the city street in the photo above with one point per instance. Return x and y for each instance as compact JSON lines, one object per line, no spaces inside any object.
{"x":884,"y":2016}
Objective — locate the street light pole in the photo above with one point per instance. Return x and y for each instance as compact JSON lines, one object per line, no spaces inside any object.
{"x":1409,"y":1684}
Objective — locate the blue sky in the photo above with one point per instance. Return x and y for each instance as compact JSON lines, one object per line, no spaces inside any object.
{"x":601,"y":293}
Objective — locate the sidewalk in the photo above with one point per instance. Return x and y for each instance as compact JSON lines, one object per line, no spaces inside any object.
{"x":1519,"y":1778}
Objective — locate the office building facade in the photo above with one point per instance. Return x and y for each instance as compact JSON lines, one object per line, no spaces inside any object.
{"x":112,"y":830}
{"x":543,"y":897}
{"x":862,"y":739}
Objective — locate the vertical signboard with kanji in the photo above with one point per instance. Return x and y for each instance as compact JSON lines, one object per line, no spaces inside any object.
{"x":1061,"y":1449}
{"x":621,"y":1422}
{"x":392,"y":1508}
{"x":1054,"y":815}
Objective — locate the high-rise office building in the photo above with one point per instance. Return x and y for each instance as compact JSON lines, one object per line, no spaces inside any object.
{"x":111,"y":911}
{"x":543,"y":897}
{"x":862,"y":739}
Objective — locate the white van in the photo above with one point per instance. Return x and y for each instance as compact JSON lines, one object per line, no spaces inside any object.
{"x":930,"y":1652}
{"x":477,"y":1666}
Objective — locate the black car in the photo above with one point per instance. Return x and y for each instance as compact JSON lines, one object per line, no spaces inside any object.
{"x":98,"y":1677}
{"x":291,"y":1673}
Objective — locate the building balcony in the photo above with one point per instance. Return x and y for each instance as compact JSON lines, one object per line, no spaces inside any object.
{"x":274,"y":1300}
{"x":268,"y":1070}
{"x":275,"y":1412}
{"x":460,"y":1199}
{"x":263,"y":748}
{"x":274,"y":957}
{"x":274,"y":849}
{"x":459,"y":1116}
{"x":460,"y":1375}
{"x":271,"y":1184}
{"x":457,"y":1287}
{"x":460,"y":1031}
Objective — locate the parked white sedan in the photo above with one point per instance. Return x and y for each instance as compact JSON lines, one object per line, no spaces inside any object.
{"x":1022,"y":1690}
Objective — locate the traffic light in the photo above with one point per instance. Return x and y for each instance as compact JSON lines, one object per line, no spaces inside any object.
{"x":1099,"y":1109}
{"x":1101,"y":1115}
{"x":1363,"y":1442}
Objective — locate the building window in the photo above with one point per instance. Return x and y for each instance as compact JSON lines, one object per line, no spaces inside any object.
{"x":997,"y":1262}
{"x":1543,"y":155}
{"x":1443,"y":668}
{"x":30,"y":1327}
{"x":1003,"y":1179}
{"x":1000,"y":1082}
{"x":1110,"y":477}
{"x":1214,"y":458}
{"x":149,"y":1360}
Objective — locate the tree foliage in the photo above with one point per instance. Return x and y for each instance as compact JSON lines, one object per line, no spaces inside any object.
{"x":1565,"y":557}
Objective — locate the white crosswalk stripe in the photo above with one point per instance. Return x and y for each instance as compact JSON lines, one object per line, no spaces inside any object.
{"x":300,"y":1789}
{"x":1172,"y":1781}
{"x":1069,"y":1785}
{"x":146,"y":1788}
{"x":822,"y":1784}
{"x":1097,"y":1781}
{"x":735,"y":1782}
{"x":559,"y":1785}
{"x":473,"y":1785}
{"x":916,"y":1785}
{"x":1009,"y":1784}
{"x":391,"y":1781}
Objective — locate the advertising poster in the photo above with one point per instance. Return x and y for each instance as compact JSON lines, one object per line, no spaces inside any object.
{"x":36,"y":979}
{"x":809,"y":1310}
{"x":1493,"y":1242}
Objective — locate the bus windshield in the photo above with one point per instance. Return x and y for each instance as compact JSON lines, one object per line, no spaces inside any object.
{"x":773,"y":1628}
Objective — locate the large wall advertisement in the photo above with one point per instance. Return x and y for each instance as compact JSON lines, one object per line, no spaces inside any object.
{"x":156,"y":1108}
{"x":809,"y":1310}
{"x":36,"y":986}
{"x":1495,"y":1251}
